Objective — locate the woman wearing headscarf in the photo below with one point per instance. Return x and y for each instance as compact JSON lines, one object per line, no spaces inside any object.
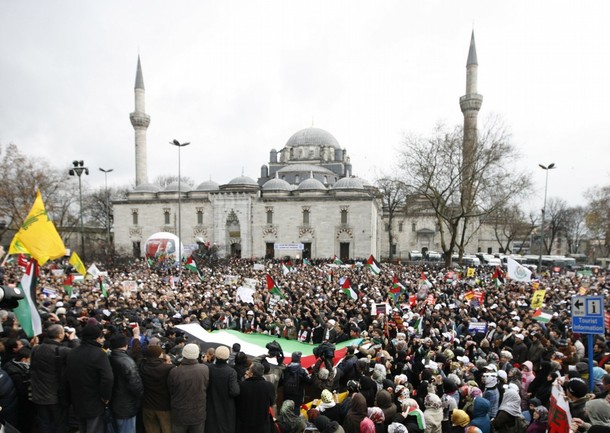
{"x":433,"y":414}
{"x":376,"y":415}
{"x":356,"y":414}
{"x":459,"y":421}
{"x":287,"y":421}
{"x":329,"y":407}
{"x":410,"y":416}
{"x":326,"y":425}
{"x":509,"y":418}
{"x":598,"y":411}
{"x":384,"y":402}
{"x":480,"y":415}
{"x":540,"y":420}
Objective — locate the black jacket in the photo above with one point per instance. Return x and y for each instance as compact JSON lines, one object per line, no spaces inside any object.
{"x":90,"y":379}
{"x":222,"y":391}
{"x":255,"y":398}
{"x":154,"y":373}
{"x":127,"y":390}
{"x":44,"y":370}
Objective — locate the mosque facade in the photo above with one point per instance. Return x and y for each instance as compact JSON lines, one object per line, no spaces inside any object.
{"x":305,"y":204}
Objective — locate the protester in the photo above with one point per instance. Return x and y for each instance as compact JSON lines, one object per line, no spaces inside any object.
{"x":222,"y":391}
{"x":156,"y":406}
{"x":256,"y":397}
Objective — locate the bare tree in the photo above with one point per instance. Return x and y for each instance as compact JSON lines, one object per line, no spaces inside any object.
{"x":574,"y":228}
{"x":597,"y":218}
{"x":554,"y":221}
{"x":21,"y":177}
{"x":164,"y":180}
{"x":393,"y":194}
{"x":509,"y":225}
{"x":433,"y":167}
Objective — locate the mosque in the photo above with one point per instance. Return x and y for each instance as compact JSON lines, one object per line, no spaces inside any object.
{"x":305,"y":204}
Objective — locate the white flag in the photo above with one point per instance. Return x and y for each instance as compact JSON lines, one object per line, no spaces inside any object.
{"x":93,"y":270}
{"x":517,"y":272}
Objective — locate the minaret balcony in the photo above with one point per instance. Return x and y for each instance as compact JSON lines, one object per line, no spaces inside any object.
{"x":471,"y":102}
{"x":139,"y":120}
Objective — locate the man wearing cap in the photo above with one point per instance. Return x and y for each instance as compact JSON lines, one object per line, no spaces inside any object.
{"x":576,"y":393}
{"x":188,"y":384}
{"x":156,"y":404}
{"x":222,"y":391}
{"x":128,"y":389}
{"x":519,"y":349}
{"x":90,"y":380}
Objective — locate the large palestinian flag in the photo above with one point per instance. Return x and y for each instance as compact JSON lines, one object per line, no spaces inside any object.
{"x":254,"y":344}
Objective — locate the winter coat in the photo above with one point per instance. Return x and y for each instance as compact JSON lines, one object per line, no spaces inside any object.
{"x":434,"y":418}
{"x":222,"y":391}
{"x":91,"y":379}
{"x":128,"y":388}
{"x":480,"y":415}
{"x":188,"y":384}
{"x":8,"y":399}
{"x":256,"y":396}
{"x":154,"y":374}
{"x":44,"y":376}
{"x":293,"y":371}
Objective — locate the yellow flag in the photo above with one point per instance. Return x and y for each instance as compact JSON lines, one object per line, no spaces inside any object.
{"x":538,"y":298}
{"x":470,"y":273}
{"x":77,"y":263}
{"x":38,"y":236}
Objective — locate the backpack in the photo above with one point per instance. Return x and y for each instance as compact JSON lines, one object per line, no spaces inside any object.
{"x":291,"y":382}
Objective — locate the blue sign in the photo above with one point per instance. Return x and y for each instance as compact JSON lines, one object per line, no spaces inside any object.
{"x":588,"y":314}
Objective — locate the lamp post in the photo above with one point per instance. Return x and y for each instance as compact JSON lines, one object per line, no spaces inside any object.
{"x":107,"y":202}
{"x":546,"y":168}
{"x":179,"y":247}
{"x":78,"y":170}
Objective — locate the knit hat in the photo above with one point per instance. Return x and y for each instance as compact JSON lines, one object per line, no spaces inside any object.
{"x":60,"y":310}
{"x":91,"y":332}
{"x":118,"y":341}
{"x":222,"y":353}
{"x":190,"y":351}
{"x":459,"y":417}
{"x":577,"y":387}
{"x":326,"y":396}
{"x":296,"y":356}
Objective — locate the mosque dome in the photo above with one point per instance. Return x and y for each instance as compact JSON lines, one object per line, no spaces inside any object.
{"x":146,"y":187}
{"x":208,"y":185}
{"x":305,"y":168}
{"x":276,"y":185}
{"x":311,"y":184}
{"x":348,"y":183}
{"x":312,"y":137}
{"x":243,"y":180}
{"x":174,"y":187}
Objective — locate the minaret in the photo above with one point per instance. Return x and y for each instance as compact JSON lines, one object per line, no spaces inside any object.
{"x":140,"y":121}
{"x":470,"y":104}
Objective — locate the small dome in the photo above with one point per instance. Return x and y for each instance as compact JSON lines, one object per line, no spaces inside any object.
{"x":311,"y":183}
{"x":173,"y":187}
{"x":312,"y":137}
{"x":348,"y":183}
{"x":276,"y":185}
{"x":365,"y":183}
{"x":147,"y":187}
{"x":243,"y":180}
{"x":208,"y":185}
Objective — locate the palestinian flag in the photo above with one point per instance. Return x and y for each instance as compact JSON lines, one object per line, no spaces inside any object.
{"x":337,"y":261}
{"x":102,"y":287}
{"x":254,"y":344}
{"x":306,"y":262}
{"x":272,"y":287}
{"x":498,"y":276}
{"x":373,"y":265}
{"x":285,"y":268}
{"x":396,"y":289}
{"x":191,"y":265}
{"x":27,"y":312}
{"x":69,"y":284}
{"x":425,"y":280}
{"x":543,"y":316}
{"x":348,"y":289}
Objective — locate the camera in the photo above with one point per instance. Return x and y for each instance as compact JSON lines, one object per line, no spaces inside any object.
{"x":10,"y":297}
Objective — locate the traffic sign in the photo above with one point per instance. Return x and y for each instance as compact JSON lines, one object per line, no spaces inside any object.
{"x":588,"y":314}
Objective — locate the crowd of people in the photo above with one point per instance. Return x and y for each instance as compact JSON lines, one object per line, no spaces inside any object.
{"x":432,"y":350}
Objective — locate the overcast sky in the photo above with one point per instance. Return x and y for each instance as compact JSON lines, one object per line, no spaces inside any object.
{"x":238,"y":78}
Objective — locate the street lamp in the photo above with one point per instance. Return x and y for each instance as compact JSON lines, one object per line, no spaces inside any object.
{"x":107,"y":202}
{"x":551,"y":166}
{"x":78,"y":170}
{"x":179,"y":248}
